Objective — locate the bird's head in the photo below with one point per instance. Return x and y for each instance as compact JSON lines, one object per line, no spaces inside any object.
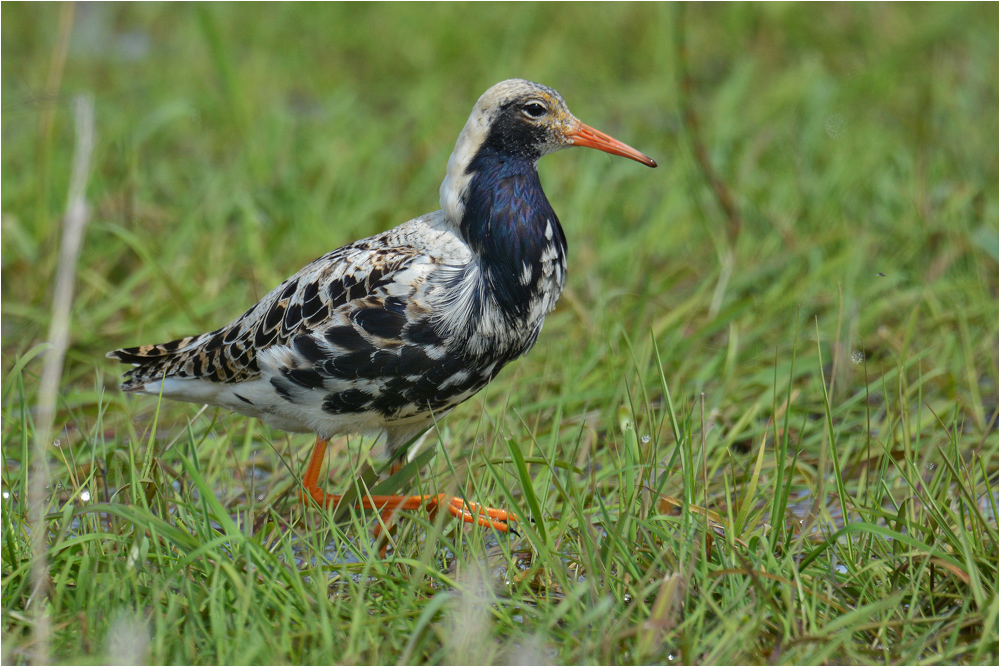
{"x":521,"y":120}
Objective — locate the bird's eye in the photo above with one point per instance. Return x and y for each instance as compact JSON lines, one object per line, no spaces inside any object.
{"x":534,"y":109}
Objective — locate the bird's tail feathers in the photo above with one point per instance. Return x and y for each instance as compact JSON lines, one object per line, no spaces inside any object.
{"x":154,"y":362}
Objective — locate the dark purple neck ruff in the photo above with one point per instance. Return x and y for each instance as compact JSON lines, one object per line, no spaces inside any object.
{"x":506,"y":214}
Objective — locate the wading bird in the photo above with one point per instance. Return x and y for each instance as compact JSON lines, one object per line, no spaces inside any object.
{"x":390,"y":332}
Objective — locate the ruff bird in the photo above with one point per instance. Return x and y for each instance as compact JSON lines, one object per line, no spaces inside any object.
{"x":391,"y":332}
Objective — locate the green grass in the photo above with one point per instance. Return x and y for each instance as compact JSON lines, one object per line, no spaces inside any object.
{"x":823,"y":383}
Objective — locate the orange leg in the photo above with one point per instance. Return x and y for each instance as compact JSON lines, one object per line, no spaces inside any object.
{"x":467,"y":512}
{"x":388,"y":518}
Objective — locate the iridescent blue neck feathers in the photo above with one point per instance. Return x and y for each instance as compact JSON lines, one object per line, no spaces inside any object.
{"x":511,"y":226}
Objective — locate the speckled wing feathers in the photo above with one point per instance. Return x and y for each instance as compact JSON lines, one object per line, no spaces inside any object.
{"x":338,"y":281}
{"x":357,"y":332}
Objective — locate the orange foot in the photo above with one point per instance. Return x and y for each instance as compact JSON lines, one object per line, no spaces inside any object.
{"x":387,"y":505}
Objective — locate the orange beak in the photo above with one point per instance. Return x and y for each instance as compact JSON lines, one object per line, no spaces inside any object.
{"x":584,"y":135}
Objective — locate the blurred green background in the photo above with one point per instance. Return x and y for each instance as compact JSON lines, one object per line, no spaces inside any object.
{"x":827,"y":191}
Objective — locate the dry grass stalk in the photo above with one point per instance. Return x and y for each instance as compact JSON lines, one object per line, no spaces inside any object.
{"x":74,"y":223}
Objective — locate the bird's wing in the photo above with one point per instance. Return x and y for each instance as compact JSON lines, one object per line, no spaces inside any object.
{"x":359,"y":330}
{"x":382,"y":353}
{"x":358,"y":277}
